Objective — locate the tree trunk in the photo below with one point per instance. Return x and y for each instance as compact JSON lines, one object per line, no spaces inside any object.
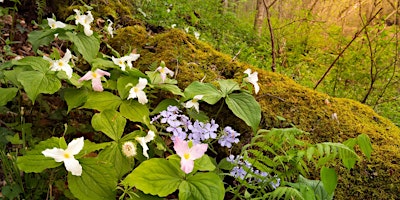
{"x":259,"y":19}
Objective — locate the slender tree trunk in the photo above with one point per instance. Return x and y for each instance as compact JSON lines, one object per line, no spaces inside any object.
{"x":259,"y":19}
{"x":271,"y":34}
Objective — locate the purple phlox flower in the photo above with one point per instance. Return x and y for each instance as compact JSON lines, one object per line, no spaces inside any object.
{"x":197,"y":129}
{"x":238,"y":172}
{"x":171,"y":114}
{"x":276,"y":182}
{"x":176,"y":130}
{"x":210,"y":129}
{"x":229,"y":137}
{"x":231,"y":159}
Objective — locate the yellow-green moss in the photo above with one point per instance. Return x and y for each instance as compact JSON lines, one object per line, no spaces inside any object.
{"x":281,"y":96}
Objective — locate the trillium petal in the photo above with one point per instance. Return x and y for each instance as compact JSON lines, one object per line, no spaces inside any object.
{"x":187,"y":165}
{"x":149,"y":137}
{"x":72,"y":165}
{"x":75,"y":146}
{"x":56,"y":153}
{"x":102,"y":73}
{"x":197,"y":151}
{"x":68,"y":70}
{"x":142,"y":83}
{"x":132,"y":93}
{"x":142,"y":98}
{"x":180,"y":147}
{"x":143,"y":143}
{"x":67,"y":56}
{"x":86,"y":29}
{"x":87,"y":76}
{"x":96,"y":84}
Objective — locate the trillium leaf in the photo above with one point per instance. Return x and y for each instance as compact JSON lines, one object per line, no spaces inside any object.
{"x":101,"y":101}
{"x":114,"y":155}
{"x":37,"y":63}
{"x":42,"y":37}
{"x":156,"y":176}
{"x":210,"y":93}
{"x":135,"y":111}
{"x":110,"y":122}
{"x":122,"y":83}
{"x":35,"y":161}
{"x":7,"y":94}
{"x":244,"y":106}
{"x":75,"y":97}
{"x":88,"y":46}
{"x":163,"y":105}
{"x":98,"y":180}
{"x":35,"y":82}
{"x":228,"y":86}
{"x":170,"y":88}
{"x":204,"y":164}
{"x":202,"y":186}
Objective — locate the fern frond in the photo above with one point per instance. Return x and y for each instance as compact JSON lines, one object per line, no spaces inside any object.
{"x":286,"y":193}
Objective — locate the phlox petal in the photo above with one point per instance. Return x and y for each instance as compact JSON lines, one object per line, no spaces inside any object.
{"x":55,"y":153}
{"x":72,"y":165}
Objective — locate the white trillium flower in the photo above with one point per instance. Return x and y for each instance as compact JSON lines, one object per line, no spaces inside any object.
{"x":61,"y":64}
{"x":67,"y":156}
{"x":253,"y":79}
{"x":144,"y":140}
{"x":131,"y":58}
{"x":137,"y":91}
{"x":164,"y":71}
{"x":110,"y":28}
{"x":85,"y":21}
{"x":194,"y":102}
{"x":129,"y":149}
{"x":55,"y":24}
{"x":120,"y":62}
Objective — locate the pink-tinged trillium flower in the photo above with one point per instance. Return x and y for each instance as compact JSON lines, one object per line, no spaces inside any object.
{"x":129,"y":149}
{"x":253,"y":79}
{"x":188,"y":152}
{"x":164,"y":71}
{"x":85,"y":21}
{"x":144,"y":140}
{"x":61,"y":64}
{"x":194,"y":102}
{"x":67,"y":156}
{"x":137,"y":91}
{"x":96,"y":78}
{"x":110,"y":28}
{"x":55,"y":24}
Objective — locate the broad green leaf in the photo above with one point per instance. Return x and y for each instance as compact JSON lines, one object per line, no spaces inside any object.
{"x":365,"y":145}
{"x":98,"y":180}
{"x":89,"y":147}
{"x":12,"y":75}
{"x":88,"y":46}
{"x":310,"y":189}
{"x":139,"y":195}
{"x":329,"y":179}
{"x":35,"y":161}
{"x":37,"y":63}
{"x":170,"y":88}
{"x":228,"y":86}
{"x":135,"y":111}
{"x":120,"y":162}
{"x":156,"y":176}
{"x":42,"y":37}
{"x":204,"y":164}
{"x":163,"y":105}
{"x":7,"y":94}
{"x":103,"y":63}
{"x":210,"y":93}
{"x":35,"y":82}
{"x":102,"y":100}
{"x":202,"y":186}
{"x":244,"y":106}
{"x":110,"y":122}
{"x":75,"y":97}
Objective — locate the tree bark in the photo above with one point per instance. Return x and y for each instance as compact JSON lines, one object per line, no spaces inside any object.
{"x":259,"y":19}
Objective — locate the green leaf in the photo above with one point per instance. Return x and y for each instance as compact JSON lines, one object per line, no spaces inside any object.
{"x":88,"y":46}
{"x":37,"y":63}
{"x":170,"y":88}
{"x":244,"y":106}
{"x":102,"y":63}
{"x":210,"y":93}
{"x":12,"y":75}
{"x":122,"y":83}
{"x":35,"y":161}
{"x":114,"y":155}
{"x":35,"y":82}
{"x":329,"y":179}
{"x":202,"y":186}
{"x":365,"y":145}
{"x":75,"y":97}
{"x":89,"y":147}
{"x":102,"y":100}
{"x":204,"y":164}
{"x":110,"y":122}
{"x":228,"y":86}
{"x":156,"y":176}
{"x":42,"y":37}
{"x":135,"y":111}
{"x":163,"y":105}
{"x":98,"y":180}
{"x":7,"y":94}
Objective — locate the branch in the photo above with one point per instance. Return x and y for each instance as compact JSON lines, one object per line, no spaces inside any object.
{"x":345,"y":48}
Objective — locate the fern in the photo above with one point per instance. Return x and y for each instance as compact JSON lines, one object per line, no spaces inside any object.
{"x":41,"y":6}
{"x":286,"y":193}
{"x":329,"y":151}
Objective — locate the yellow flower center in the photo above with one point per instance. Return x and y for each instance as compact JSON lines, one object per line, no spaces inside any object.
{"x":60,"y":64}
{"x":94,"y":75}
{"x":136,"y":89}
{"x":162,"y":70}
{"x":186,"y":156}
{"x":66,"y":155}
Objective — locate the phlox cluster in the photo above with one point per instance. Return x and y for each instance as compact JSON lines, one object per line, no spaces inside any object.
{"x":244,"y":170}
{"x":180,"y":126}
